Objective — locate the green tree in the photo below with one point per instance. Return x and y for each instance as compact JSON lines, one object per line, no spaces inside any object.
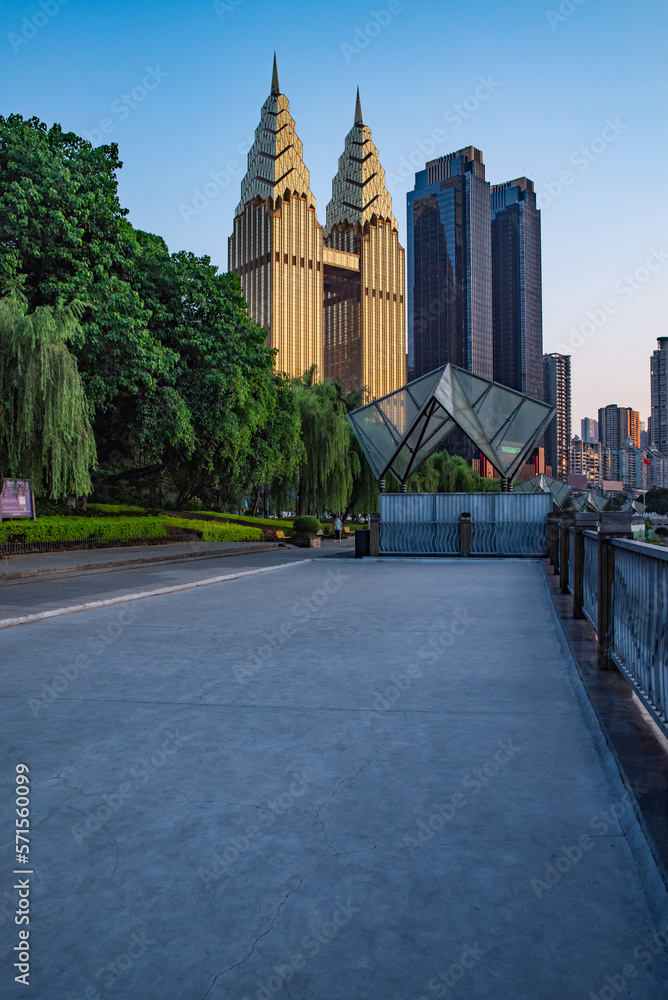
{"x":64,"y":234}
{"x":45,"y":431}
{"x":325,"y":475}
{"x":222,"y":419}
{"x":656,"y":500}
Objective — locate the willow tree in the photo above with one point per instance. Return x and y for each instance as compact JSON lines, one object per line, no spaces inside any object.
{"x":45,"y":431}
{"x":325,"y":476}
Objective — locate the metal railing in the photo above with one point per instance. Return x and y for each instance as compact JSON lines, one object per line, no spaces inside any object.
{"x":495,"y":524}
{"x":93,"y":542}
{"x":621,"y":587}
{"x":508,"y":538}
{"x":639,"y":622}
{"x":590,"y":578}
{"x":406,"y":538}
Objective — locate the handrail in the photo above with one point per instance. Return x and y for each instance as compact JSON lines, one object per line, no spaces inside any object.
{"x":644,"y":548}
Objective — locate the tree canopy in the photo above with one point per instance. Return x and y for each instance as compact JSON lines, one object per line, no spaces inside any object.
{"x":143,"y":365}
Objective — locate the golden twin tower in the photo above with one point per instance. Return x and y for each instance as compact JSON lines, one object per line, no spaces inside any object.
{"x":332,"y":298}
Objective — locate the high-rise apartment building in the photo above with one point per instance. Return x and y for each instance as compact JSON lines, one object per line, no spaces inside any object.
{"x":557,"y":379}
{"x":589,"y":430}
{"x":618,"y":425}
{"x":586,"y":461}
{"x":658,"y":427}
{"x":517,"y":309}
{"x":449,"y":266}
{"x":277,"y":244}
{"x":365,"y":341}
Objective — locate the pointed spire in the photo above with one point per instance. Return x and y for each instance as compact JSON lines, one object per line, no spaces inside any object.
{"x":358,"y":109}
{"x":274,"y":78}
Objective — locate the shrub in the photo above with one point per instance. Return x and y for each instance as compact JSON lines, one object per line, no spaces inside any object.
{"x":68,"y":528}
{"x":265,"y":522}
{"x":307,"y":525}
{"x":114,"y":509}
{"x":211,"y":531}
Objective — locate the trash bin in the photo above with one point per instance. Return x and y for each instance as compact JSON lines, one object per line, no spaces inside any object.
{"x":362,"y":542}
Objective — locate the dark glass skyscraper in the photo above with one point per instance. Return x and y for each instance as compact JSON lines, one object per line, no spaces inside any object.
{"x":659,"y":384}
{"x":557,"y":378}
{"x":516,"y":287}
{"x":449,"y":266}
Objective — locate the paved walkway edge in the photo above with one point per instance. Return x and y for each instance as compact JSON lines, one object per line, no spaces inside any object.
{"x":58,"y":572}
{"x":631,"y":821}
{"x":158,"y":592}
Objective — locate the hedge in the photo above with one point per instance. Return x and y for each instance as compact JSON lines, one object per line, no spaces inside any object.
{"x":115,"y":509}
{"x":210,"y":531}
{"x":265,"y":522}
{"x":69,"y":528}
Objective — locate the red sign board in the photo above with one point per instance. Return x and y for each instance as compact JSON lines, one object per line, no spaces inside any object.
{"x":16,"y":499}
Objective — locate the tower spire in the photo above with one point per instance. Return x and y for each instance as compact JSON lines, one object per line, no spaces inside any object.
{"x":358,"y":109}
{"x":274,"y":78}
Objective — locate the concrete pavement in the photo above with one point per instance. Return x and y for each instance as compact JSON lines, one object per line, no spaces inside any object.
{"x":342,"y":781}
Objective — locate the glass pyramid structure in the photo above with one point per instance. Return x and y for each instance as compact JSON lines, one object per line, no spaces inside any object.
{"x":590,"y":501}
{"x":398,"y":432}
{"x":546,"y":484}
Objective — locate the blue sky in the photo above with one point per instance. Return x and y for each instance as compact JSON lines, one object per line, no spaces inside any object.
{"x":572,"y":98}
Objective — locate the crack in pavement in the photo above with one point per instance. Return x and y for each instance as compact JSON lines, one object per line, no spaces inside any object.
{"x":336,"y":792}
{"x":268,"y":930}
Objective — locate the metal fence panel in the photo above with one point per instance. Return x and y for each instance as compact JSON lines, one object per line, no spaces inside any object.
{"x":590,"y":579}
{"x":639,"y":626}
{"x":505,"y":524}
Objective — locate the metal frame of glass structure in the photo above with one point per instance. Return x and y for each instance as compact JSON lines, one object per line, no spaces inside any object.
{"x":399,"y":432}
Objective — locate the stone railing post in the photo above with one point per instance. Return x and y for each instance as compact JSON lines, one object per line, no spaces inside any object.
{"x":465,"y":535}
{"x":374,"y":534}
{"x":552,"y":536}
{"x":564,"y":538}
{"x":582,"y":522}
{"x":612,"y":524}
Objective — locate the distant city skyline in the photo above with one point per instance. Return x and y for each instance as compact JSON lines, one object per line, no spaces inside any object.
{"x":540,"y":92}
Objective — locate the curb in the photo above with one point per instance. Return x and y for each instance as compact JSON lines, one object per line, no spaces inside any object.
{"x":158,"y":592}
{"x":58,"y":572}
